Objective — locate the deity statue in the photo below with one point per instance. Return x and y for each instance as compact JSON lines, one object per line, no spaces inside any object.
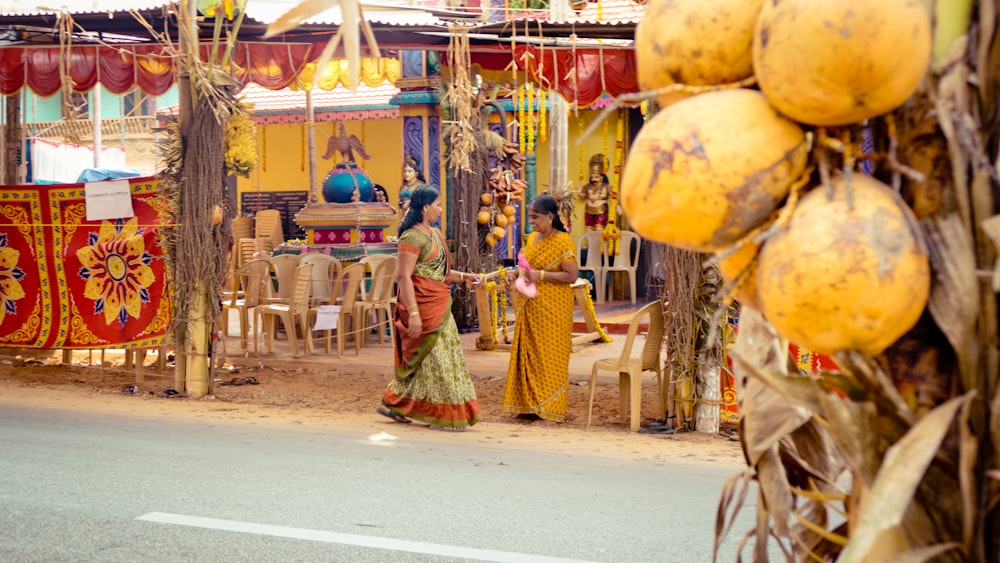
{"x":413,"y":177}
{"x":597,"y":194}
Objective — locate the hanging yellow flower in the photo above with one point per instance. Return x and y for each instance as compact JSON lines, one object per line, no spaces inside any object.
{"x":542,"y":113}
{"x":491,"y":289}
{"x":231,"y":8}
{"x":531,"y":126}
{"x":521,"y":120}
{"x":240,"y":145}
{"x":611,"y":237}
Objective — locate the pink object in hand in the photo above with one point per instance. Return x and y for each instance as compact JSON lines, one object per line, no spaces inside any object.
{"x":527,"y":288}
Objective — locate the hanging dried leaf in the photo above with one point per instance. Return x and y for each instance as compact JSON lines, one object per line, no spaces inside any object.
{"x":901,"y":472}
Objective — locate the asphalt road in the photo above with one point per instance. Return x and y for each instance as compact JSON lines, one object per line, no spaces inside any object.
{"x":82,"y":487}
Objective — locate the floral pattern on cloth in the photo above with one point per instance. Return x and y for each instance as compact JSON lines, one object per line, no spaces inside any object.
{"x":538,"y":374}
{"x":116,"y":268}
{"x":10,"y":279}
{"x":432,"y":384}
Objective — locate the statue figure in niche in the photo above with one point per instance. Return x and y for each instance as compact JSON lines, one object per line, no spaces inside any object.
{"x":596,"y":195}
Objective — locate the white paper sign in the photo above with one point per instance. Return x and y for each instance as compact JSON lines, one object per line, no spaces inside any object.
{"x":326,"y":317}
{"x":108,"y":200}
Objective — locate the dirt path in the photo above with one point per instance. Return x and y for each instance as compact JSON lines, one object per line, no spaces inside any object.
{"x":342,"y":395}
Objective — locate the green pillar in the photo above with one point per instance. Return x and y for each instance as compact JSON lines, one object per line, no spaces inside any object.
{"x":530,"y":178}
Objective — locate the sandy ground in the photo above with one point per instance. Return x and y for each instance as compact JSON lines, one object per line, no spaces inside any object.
{"x":321,"y":390}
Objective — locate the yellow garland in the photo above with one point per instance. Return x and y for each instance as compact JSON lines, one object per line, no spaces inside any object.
{"x":619,"y":148}
{"x":593,"y":314}
{"x":503,"y":317}
{"x":491,"y":287}
{"x":521,"y":120}
{"x":604,"y":131}
{"x":611,"y":237}
{"x":542,"y":110}
{"x":531,"y":126}
{"x":503,"y":307}
{"x":240,"y":151}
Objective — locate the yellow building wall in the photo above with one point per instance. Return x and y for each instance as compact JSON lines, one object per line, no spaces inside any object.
{"x":284,"y":156}
{"x":284,"y":163}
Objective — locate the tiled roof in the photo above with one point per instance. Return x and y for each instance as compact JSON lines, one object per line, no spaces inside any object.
{"x":265,"y":100}
{"x":380,"y":14}
{"x":38,"y":7}
{"x":607,"y":11}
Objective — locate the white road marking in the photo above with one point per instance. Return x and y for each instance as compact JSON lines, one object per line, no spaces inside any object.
{"x":351,"y":539}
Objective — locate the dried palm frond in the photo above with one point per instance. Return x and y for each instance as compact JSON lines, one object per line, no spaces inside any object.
{"x":913,"y":435}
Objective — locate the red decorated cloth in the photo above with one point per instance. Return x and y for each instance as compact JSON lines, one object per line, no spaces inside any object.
{"x":66,"y":282}
{"x":149,"y":67}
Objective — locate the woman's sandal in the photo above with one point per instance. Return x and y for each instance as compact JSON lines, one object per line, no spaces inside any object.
{"x":450,"y":429}
{"x":394,"y":416}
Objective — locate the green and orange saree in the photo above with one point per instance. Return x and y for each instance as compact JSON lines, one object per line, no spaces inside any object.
{"x":432,"y":382}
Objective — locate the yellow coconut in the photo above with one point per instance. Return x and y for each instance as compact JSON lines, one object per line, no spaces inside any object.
{"x":216,"y":214}
{"x":842,"y":277}
{"x":486,"y":198}
{"x":708,"y":169}
{"x":499,"y":232}
{"x":694,"y":42}
{"x":509,"y":210}
{"x":483,"y":217}
{"x":836,"y":63}
{"x":739,"y":270}
{"x":500,"y":220}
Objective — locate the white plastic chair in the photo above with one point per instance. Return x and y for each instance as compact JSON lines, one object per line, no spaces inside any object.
{"x":380,"y":298}
{"x":296,"y":310}
{"x":627,"y":260}
{"x":326,"y":270}
{"x":594,"y":261}
{"x":630,"y":369}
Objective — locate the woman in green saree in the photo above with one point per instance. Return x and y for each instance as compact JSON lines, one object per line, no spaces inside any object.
{"x":432,"y":382}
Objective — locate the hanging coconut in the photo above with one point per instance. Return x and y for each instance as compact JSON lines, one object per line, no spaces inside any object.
{"x":837,"y":62}
{"x":843,"y":277}
{"x":671,"y":45}
{"x":706,"y":170}
{"x":739,"y":270}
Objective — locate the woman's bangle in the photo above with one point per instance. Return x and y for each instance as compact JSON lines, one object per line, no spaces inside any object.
{"x":541,"y":275}
{"x":462,"y":275}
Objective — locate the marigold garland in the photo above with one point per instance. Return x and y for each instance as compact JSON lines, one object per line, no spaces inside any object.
{"x":543,"y":126}
{"x":491,"y":288}
{"x":503,"y":307}
{"x":531,"y":126}
{"x":503,"y":317}
{"x":240,"y":144}
{"x":521,"y":121}
{"x":590,"y":311}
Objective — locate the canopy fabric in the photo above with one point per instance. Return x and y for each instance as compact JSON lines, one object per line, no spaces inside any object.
{"x":373,"y":73}
{"x":581,"y":75}
{"x":150,"y":67}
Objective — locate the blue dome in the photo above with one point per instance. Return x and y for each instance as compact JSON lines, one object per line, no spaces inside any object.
{"x":339,"y":184}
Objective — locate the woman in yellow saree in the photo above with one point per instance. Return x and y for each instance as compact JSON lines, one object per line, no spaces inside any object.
{"x":538,"y":374}
{"x":432,"y":382}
